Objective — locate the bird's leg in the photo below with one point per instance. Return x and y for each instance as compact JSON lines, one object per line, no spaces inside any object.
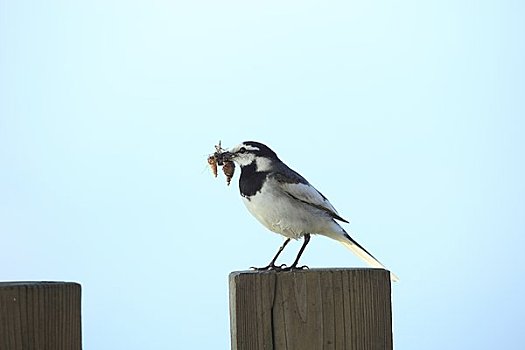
{"x":271,"y":265}
{"x":294,"y":265}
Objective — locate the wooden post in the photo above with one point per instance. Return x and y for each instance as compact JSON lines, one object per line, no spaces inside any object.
{"x":40,"y":315}
{"x":311,"y":309}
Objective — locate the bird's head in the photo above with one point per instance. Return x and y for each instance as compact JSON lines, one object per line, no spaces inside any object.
{"x":250,"y":152}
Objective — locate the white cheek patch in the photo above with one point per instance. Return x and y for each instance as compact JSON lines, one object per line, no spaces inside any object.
{"x":263,"y":164}
{"x":244,"y":159}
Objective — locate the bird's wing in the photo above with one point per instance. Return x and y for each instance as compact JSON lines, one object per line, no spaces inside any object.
{"x":298,"y":188}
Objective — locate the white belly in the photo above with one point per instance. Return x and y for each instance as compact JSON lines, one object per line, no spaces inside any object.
{"x":282,"y":214}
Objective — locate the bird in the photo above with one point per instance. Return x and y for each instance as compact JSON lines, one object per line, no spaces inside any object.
{"x":286,"y":203}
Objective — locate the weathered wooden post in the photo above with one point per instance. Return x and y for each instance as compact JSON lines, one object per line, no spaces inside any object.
{"x":347,"y":309}
{"x":40,"y":316}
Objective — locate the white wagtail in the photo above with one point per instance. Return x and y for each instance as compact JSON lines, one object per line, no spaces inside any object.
{"x":284,"y":202}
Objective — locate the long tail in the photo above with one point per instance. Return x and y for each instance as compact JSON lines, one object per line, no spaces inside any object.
{"x":361,"y":252}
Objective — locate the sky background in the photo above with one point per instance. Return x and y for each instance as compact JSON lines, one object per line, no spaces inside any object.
{"x":407,"y":115}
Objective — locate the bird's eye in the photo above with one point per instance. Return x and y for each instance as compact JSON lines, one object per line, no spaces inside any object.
{"x":242,"y":150}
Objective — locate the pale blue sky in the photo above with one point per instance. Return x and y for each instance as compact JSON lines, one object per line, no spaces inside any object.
{"x":407,"y":115}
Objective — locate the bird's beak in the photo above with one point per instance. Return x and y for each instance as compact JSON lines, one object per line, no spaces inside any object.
{"x":224,"y":157}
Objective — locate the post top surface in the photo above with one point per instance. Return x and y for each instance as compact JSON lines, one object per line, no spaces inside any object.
{"x":314,"y":270}
{"x":8,"y":284}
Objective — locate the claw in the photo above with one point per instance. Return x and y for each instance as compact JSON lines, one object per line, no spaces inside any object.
{"x":296,"y":268}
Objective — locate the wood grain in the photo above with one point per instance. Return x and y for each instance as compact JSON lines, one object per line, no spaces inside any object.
{"x":40,"y":316}
{"x":311,"y":309}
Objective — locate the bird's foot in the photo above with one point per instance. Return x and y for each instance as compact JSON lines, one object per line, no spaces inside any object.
{"x":294,"y":267}
{"x":270,"y":267}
